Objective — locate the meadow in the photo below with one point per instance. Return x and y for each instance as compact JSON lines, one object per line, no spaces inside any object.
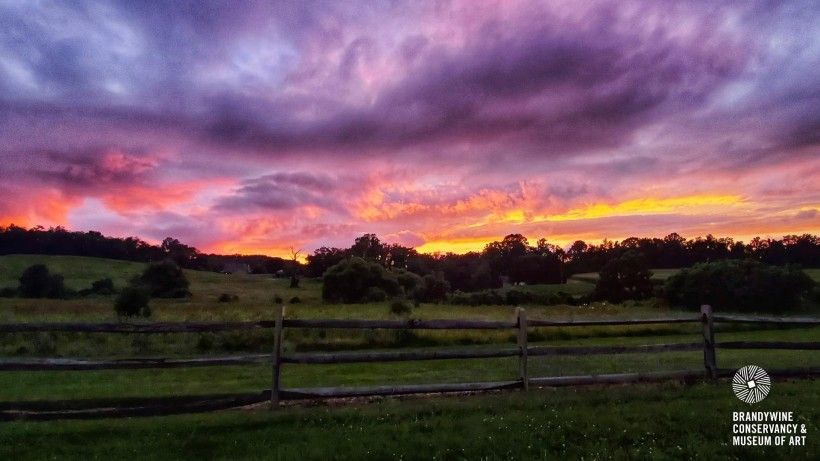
{"x":504,"y":425}
{"x":662,"y":421}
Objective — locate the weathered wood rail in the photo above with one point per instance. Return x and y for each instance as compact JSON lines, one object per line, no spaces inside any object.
{"x":95,"y":408}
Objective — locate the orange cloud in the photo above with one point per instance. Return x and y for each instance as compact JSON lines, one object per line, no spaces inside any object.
{"x":691,"y":204}
{"x":47,"y":208}
{"x":157,"y":196}
{"x":374,"y":207}
{"x":457,"y":245}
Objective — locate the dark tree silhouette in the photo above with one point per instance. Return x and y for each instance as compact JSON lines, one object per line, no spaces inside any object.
{"x":625,"y":277}
{"x":37,"y":282}
{"x":163,"y":280}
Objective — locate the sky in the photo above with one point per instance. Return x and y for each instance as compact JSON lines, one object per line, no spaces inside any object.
{"x":254,"y":127}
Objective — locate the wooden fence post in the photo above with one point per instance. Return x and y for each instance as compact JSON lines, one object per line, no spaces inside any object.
{"x":523,"y":375}
{"x":709,"y":360}
{"x":276,"y":356}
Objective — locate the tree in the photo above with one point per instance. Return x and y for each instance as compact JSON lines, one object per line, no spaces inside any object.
{"x":536,"y":268}
{"x":37,"y":282}
{"x":351,"y":280}
{"x":740,"y":285}
{"x":177,"y":251}
{"x":294,"y":275}
{"x":435,"y":288}
{"x":626,"y":277}
{"x":368,"y":246}
{"x":322,"y":259}
{"x":163,"y":280}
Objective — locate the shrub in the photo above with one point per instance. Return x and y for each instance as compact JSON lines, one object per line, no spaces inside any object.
{"x":739,"y":285}
{"x":132,"y":301}
{"x":626,"y":277}
{"x":478,"y":298}
{"x":103,"y":286}
{"x":400,"y":306}
{"x":164,"y":280}
{"x":278,"y":299}
{"x":227,"y":298}
{"x":37,"y":282}
{"x":411,"y":283}
{"x":295,"y":300}
{"x":376,"y":295}
{"x":435,"y":288}
{"x":349,"y":281}
{"x":8,"y":292}
{"x":99,"y":287}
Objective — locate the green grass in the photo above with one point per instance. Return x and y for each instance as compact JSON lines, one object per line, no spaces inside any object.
{"x":665,"y":421}
{"x":256,"y":295}
{"x":78,"y":271}
{"x":253,"y":378}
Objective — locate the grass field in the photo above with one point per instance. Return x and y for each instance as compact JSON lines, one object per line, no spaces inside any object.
{"x":592,"y":277}
{"x":665,"y":421}
{"x":256,"y":294}
{"x":643,"y":422}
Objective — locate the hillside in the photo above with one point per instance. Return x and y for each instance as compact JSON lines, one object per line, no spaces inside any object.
{"x":79,"y":271}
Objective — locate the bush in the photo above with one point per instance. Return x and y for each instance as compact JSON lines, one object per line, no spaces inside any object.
{"x":8,"y":292}
{"x":739,"y":285}
{"x":401,"y":307}
{"x":349,"y":281}
{"x":278,"y":299}
{"x":103,"y":286}
{"x":626,"y":277}
{"x":227,"y":298}
{"x":375,"y":295}
{"x":164,"y":280}
{"x":435,"y":288}
{"x":132,"y":301}
{"x":478,"y":298}
{"x":295,"y":300}
{"x":411,"y":283}
{"x":37,"y":282}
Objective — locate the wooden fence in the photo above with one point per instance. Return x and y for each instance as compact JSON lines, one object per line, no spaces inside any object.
{"x":95,"y":408}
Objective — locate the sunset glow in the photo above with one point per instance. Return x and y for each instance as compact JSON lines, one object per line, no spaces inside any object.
{"x":696,"y":204}
{"x":438,"y":125}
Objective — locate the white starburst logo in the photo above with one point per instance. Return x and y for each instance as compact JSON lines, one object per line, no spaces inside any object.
{"x":751,"y":384}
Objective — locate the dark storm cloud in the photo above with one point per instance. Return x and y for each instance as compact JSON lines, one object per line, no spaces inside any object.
{"x":285,"y":191}
{"x":547,"y":81}
{"x":601,"y":80}
{"x":95,"y":168}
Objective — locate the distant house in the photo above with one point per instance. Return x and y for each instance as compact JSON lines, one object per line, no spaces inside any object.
{"x":236,"y":267}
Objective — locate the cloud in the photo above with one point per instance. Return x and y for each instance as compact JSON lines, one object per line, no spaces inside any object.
{"x":289,"y":191}
{"x":266,"y":125}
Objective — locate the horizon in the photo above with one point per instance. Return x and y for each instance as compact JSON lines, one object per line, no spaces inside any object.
{"x":441,"y":126}
{"x":303,"y":254}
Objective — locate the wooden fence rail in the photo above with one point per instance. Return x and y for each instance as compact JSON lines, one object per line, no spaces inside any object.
{"x":276,"y":394}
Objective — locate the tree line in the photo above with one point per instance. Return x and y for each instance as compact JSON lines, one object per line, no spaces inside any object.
{"x":515,"y":260}
{"x":59,"y":241}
